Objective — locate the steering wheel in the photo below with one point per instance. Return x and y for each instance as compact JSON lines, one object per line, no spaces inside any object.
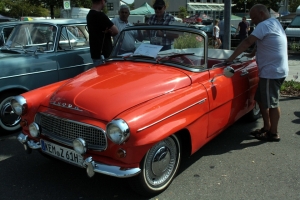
{"x":182,"y":59}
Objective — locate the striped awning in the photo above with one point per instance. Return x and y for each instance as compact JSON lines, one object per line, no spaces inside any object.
{"x":205,"y":6}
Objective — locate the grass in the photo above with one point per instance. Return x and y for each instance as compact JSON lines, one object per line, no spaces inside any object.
{"x":291,"y":88}
{"x":295,"y":46}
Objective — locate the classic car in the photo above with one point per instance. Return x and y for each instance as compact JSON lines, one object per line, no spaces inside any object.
{"x":5,"y":30}
{"x":38,"y":53}
{"x":147,"y":107}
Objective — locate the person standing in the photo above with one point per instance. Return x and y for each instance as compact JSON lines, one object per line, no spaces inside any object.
{"x":100,"y":30}
{"x":221,"y":26}
{"x":121,"y":22}
{"x":216,"y":34}
{"x":162,"y":18}
{"x":243,"y":29}
{"x":272,"y":60}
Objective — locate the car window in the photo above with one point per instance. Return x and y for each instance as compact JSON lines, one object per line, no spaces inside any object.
{"x":6,"y":31}
{"x":73,"y":37}
{"x":295,"y":22}
{"x":33,"y":37}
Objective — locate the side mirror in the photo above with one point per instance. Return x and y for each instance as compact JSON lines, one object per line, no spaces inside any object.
{"x":228,"y":72}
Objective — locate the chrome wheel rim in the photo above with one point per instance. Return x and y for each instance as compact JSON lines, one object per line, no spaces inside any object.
{"x":161,"y":163}
{"x":8,"y":119}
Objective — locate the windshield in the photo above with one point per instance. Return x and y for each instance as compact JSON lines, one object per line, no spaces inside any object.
{"x":172,"y":46}
{"x":295,"y":22}
{"x":32,"y":36}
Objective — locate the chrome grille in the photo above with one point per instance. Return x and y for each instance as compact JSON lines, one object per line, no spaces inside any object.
{"x":65,"y":131}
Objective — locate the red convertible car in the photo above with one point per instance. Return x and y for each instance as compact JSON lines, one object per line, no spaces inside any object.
{"x":160,"y":96}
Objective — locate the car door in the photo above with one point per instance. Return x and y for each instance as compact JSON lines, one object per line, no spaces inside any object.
{"x":73,"y":51}
{"x":227,"y":97}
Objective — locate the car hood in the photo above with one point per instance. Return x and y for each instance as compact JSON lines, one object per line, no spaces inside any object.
{"x":106,"y":91}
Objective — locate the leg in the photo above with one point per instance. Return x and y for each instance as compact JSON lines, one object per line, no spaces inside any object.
{"x":274,"y":114}
{"x":265,"y":115}
{"x":267,"y":95}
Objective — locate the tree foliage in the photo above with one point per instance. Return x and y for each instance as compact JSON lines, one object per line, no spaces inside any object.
{"x":294,"y":5}
{"x":17,"y":9}
{"x":182,"y":12}
{"x":274,"y":5}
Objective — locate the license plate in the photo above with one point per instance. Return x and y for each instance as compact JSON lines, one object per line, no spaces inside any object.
{"x":62,"y":153}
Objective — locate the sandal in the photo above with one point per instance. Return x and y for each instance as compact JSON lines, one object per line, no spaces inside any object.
{"x":258,"y":132}
{"x":268,"y":136}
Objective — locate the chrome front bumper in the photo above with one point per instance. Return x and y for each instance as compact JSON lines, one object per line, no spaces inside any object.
{"x":90,"y":165}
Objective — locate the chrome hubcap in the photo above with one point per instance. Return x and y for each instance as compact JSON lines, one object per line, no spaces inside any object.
{"x":7,"y":115}
{"x":161,"y":161}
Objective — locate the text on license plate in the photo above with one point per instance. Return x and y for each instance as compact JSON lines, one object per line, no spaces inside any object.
{"x":63,"y":153}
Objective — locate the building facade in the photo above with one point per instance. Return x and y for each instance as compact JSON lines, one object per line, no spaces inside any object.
{"x":208,"y":7}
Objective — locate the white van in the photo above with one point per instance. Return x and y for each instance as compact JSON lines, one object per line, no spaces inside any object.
{"x":293,"y":30}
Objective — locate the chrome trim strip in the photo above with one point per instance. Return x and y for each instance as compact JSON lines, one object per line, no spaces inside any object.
{"x":199,"y":102}
{"x":45,"y":71}
{"x":27,"y":74}
{"x":110,"y":170}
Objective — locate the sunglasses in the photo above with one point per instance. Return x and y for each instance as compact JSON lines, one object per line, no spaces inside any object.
{"x":158,"y":8}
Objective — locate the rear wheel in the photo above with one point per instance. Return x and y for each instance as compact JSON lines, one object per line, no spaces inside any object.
{"x":159,"y":167}
{"x":9,"y":121}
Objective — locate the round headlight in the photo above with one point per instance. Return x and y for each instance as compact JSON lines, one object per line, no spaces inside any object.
{"x":34,"y":129}
{"x":117,"y":131}
{"x":79,"y":145}
{"x":19,"y":105}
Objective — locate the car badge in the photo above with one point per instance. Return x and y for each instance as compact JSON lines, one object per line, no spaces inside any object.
{"x":65,"y":105}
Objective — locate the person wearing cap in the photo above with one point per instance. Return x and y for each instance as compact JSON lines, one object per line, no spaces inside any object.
{"x":162,"y":18}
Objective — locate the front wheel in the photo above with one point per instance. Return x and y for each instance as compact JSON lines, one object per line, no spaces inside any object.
{"x":9,"y":121}
{"x":159,"y":167}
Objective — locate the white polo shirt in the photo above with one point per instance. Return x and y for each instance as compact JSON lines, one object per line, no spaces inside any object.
{"x":129,"y":40}
{"x":271,"y":54}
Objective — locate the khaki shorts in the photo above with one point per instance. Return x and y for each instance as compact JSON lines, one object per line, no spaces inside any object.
{"x":268,"y":92}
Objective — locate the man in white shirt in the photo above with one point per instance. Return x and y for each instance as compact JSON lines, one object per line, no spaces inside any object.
{"x":272,"y":60}
{"x":121,"y":22}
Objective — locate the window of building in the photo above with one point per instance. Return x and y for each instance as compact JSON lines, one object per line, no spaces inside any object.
{"x":192,"y":0}
{"x":110,"y":6}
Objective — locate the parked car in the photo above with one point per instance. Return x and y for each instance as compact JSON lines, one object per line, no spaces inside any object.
{"x":36,"y":54}
{"x":5,"y":30}
{"x":293,"y":33}
{"x":140,"y":113}
{"x":234,"y":34}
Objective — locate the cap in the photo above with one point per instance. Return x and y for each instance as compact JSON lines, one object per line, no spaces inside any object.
{"x":159,"y":3}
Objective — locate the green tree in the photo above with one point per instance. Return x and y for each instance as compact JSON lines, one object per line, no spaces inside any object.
{"x":240,"y":5}
{"x":17,"y":9}
{"x":131,"y":6}
{"x":182,"y":12}
{"x":294,"y":5}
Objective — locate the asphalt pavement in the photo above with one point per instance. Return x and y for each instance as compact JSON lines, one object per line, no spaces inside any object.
{"x":294,"y":66}
{"x":232,"y":166}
